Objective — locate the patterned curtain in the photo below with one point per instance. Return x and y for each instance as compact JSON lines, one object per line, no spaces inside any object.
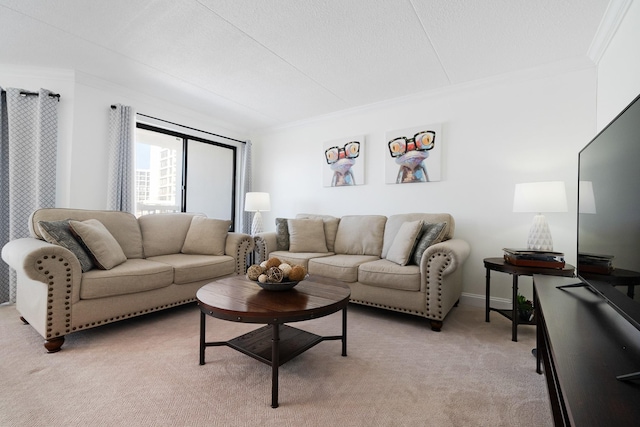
{"x":245,"y":223}
{"x":121,"y":182}
{"x":29,"y":133}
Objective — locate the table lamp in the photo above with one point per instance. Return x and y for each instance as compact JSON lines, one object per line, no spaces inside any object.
{"x":540,"y":197}
{"x":257,"y":202}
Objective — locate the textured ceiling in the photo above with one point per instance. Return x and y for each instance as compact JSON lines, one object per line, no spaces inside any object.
{"x":262,"y":63}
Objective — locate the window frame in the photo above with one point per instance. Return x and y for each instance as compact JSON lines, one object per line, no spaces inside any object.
{"x":185,"y":151}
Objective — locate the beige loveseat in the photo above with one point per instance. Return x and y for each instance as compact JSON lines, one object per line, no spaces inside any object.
{"x":408,"y":262}
{"x":124,"y":266}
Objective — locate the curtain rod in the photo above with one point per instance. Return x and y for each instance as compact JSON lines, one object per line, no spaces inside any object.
{"x":113,"y":107}
{"x":51,"y":95}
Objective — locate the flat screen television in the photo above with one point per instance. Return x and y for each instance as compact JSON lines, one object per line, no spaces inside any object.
{"x":609,"y":214}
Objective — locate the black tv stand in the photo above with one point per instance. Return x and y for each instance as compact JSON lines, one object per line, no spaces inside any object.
{"x":575,"y":285}
{"x":584,"y":345}
{"x":629,"y":377}
{"x":626,"y":377}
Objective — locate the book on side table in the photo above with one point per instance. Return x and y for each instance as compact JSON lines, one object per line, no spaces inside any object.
{"x":534,"y":258}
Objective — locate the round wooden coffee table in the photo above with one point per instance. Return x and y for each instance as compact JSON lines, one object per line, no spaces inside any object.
{"x":239,"y":300}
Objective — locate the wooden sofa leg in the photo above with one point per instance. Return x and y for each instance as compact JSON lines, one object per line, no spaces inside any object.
{"x":24,"y":320}
{"x":53,"y":345}
{"x":436,"y":325}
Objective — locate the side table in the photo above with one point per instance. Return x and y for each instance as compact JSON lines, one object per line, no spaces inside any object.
{"x":499,"y":264}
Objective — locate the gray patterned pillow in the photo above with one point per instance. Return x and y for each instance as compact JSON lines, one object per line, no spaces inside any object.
{"x":282,"y":234}
{"x":58,"y":233}
{"x":432,"y":233}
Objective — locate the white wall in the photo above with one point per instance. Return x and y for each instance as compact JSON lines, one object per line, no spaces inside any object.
{"x":493,"y":136}
{"x":619,"y":68}
{"x":83,"y":127}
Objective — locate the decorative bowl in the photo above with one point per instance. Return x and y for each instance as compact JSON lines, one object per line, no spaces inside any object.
{"x":281,"y":286}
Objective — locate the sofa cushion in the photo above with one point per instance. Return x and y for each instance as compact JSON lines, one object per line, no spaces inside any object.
{"x":330,"y":228}
{"x":404,"y":242}
{"x":59,"y":233}
{"x":103,"y":248}
{"x":430,"y":235}
{"x":192,"y":268}
{"x":282,"y":234}
{"x":306,"y":235}
{"x":340,"y":267}
{"x":134,"y":275}
{"x":206,"y":236}
{"x":360,"y":235}
{"x":164,"y":234}
{"x":298,"y":258}
{"x":386,"y":274}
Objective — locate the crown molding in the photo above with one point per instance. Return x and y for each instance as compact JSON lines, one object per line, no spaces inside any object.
{"x":38,"y":72}
{"x":608,"y":27}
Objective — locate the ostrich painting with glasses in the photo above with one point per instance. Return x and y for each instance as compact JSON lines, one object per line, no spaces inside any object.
{"x":341,"y":160}
{"x":410,"y":154}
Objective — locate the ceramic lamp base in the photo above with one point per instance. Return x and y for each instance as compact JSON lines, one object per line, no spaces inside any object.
{"x":540,"y":235}
{"x":256,"y":224}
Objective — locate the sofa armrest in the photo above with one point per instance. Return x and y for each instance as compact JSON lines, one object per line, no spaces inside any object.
{"x":239,"y":245}
{"x":265,"y":244}
{"x":48,"y":284}
{"x":445,"y":256}
{"x":441,"y":277}
{"x":27,"y":256}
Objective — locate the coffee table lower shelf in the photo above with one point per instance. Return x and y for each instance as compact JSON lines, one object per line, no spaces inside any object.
{"x":274,"y":345}
{"x":258,"y":343}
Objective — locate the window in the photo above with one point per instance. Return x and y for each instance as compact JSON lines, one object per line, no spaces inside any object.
{"x":176,"y":172}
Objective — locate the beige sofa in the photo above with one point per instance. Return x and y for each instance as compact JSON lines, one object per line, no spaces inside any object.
{"x":409,"y":263}
{"x":131,"y":266}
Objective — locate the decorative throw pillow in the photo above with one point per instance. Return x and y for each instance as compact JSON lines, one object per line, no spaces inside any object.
{"x":58,"y":233}
{"x":103,"y":248}
{"x":360,"y":235}
{"x":206,"y":236}
{"x":306,"y":235}
{"x":282,"y":234}
{"x":404,"y":242}
{"x":330,"y":227}
{"x":432,"y":233}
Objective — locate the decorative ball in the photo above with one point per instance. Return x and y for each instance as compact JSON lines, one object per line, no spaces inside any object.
{"x":273,"y":262}
{"x":286,"y":269}
{"x":274,"y":275}
{"x":297,"y":273}
{"x":254,"y":272}
{"x":262,"y":278}
{"x":263,"y":264}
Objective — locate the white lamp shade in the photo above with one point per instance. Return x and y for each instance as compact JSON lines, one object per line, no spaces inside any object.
{"x":257,"y":202}
{"x":540,"y":197}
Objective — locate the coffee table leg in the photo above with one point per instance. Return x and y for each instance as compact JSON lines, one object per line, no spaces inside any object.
{"x":514,"y":309}
{"x":344,"y":331}
{"x":275,"y":362}
{"x":202,"y":334}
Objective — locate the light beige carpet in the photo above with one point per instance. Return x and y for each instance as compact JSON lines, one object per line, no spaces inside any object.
{"x":145,"y":372}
